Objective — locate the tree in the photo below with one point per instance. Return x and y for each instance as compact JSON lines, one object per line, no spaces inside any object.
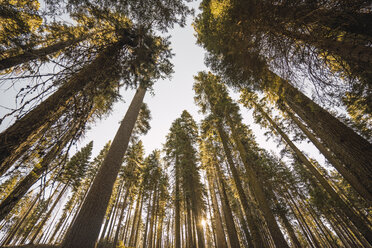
{"x":181,"y":152}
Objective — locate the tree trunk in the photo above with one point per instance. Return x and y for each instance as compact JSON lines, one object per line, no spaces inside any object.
{"x":229,"y":219}
{"x":116,"y":238}
{"x":46,"y":217}
{"x":177,"y":208}
{"x":255,"y":240}
{"x":220,"y":234}
{"x":354,"y":151}
{"x":259,"y":193}
{"x":85,"y":229}
{"x":341,"y":205}
{"x":23,"y":129}
{"x":354,"y":182}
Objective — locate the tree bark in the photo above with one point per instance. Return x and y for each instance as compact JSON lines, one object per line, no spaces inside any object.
{"x":354,"y":151}
{"x":229,"y":219}
{"x":25,"y":128}
{"x":354,"y":182}
{"x":341,"y":205}
{"x":85,"y":229}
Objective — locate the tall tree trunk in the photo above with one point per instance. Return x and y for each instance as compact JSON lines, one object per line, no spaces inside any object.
{"x":220,"y":234}
{"x":85,"y":229}
{"x":354,"y":151}
{"x":15,"y":228}
{"x":144,"y":242}
{"x":229,"y":219}
{"x":354,"y":182}
{"x":255,"y":240}
{"x":363,"y":228}
{"x":177,"y":208}
{"x":23,"y":129}
{"x":116,"y":238}
{"x":46,"y":217}
{"x":152,"y":220}
{"x":258,"y":191}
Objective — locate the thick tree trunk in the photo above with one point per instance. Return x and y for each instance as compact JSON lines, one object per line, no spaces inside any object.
{"x":354,"y":182}
{"x":85,"y":229}
{"x":25,"y":128}
{"x":341,"y":205}
{"x":354,"y":151}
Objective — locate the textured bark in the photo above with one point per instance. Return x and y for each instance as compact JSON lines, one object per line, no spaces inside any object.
{"x":85,"y":229}
{"x":354,"y":182}
{"x":363,"y":228}
{"x":40,"y":53}
{"x":226,"y":209}
{"x":29,"y":125}
{"x":353,"y":151}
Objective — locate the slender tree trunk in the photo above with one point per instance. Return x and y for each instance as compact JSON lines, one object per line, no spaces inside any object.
{"x":257,"y":240}
{"x":152,"y":220}
{"x":354,"y":151}
{"x":220,"y":234}
{"x":135,"y":218}
{"x":147,"y":221}
{"x":229,"y":219}
{"x":257,"y":188}
{"x":289,"y":228}
{"x":46,"y":217}
{"x":14,"y":230}
{"x":116,"y":238}
{"x":85,"y":229}
{"x":177,"y":208}
{"x":354,"y":182}
{"x":138,"y":222}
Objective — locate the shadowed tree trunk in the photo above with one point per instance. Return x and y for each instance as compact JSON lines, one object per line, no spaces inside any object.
{"x":354,"y":182}
{"x":354,"y":151}
{"x":85,"y":229}
{"x":23,"y":130}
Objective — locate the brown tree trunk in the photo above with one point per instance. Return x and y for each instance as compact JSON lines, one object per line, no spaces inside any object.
{"x":85,"y":229}
{"x":354,"y":182}
{"x":341,"y":205}
{"x":177,"y":208}
{"x":220,"y":234}
{"x":23,"y":129}
{"x":46,"y":217}
{"x":354,"y":151}
{"x":255,"y":240}
{"x":259,"y":193}
{"x":116,"y":238}
{"x":229,"y":219}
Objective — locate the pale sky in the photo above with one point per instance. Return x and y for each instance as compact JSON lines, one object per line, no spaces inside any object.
{"x":171,"y":98}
